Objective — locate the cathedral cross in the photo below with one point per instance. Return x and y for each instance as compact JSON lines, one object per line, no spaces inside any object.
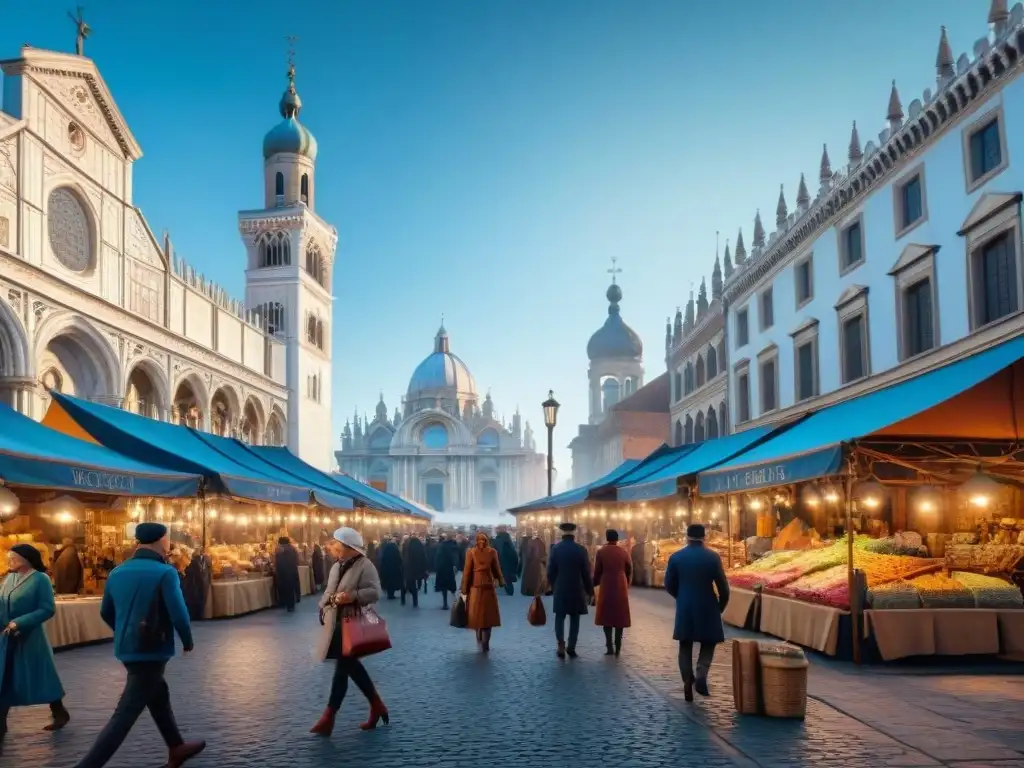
{"x":82,"y":30}
{"x":614,"y":270}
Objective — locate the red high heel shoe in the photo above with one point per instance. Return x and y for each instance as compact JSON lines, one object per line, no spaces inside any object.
{"x":378,"y":712}
{"x":325,"y":725}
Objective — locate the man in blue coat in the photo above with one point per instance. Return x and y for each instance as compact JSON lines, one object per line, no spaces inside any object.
{"x":569,"y":577}
{"x":144,"y":606}
{"x":692,"y":576}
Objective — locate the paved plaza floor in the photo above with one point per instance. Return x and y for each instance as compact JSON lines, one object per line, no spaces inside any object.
{"x":252,"y":690}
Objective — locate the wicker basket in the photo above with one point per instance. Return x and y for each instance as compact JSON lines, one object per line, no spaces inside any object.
{"x":784,"y":686}
{"x":745,"y":665}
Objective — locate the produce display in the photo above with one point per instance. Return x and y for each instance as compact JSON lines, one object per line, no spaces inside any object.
{"x":987,"y":558}
{"x":990,"y":592}
{"x":959,"y":590}
{"x":893,"y":595}
{"x":940,"y":591}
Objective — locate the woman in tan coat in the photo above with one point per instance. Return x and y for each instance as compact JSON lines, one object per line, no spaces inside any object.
{"x":480,"y":578}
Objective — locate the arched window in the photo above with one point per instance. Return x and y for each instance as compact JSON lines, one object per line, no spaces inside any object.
{"x":688,"y":432}
{"x":610,"y":392}
{"x":279,"y":189}
{"x":689,"y":378}
{"x":304,"y":190}
{"x":712,"y":363}
{"x":272,"y":315}
{"x":723,"y":418}
{"x":274,"y":249}
{"x":315,"y":265}
{"x":700,"y":371}
{"x":434,"y":436}
{"x":698,"y":431}
{"x":679,"y":433}
{"x":721,"y":355}
{"x":315,"y":331}
{"x":712,"y":423}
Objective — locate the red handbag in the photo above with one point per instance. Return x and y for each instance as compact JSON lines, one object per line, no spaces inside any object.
{"x":363,"y":633}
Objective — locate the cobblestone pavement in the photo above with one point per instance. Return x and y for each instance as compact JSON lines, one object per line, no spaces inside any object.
{"x":252,"y":690}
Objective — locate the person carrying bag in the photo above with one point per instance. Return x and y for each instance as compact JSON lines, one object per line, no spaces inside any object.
{"x":351,"y":628}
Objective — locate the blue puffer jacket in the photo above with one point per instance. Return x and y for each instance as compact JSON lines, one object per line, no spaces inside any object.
{"x":126,"y":603}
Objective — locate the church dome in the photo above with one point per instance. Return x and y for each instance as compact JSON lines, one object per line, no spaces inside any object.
{"x":290,"y":136}
{"x":441,"y":373}
{"x":615,"y":339}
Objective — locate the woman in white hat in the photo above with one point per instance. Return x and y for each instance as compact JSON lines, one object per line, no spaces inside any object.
{"x":353,"y":582}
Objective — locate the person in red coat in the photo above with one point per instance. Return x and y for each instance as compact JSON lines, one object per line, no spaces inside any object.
{"x":613,"y":570}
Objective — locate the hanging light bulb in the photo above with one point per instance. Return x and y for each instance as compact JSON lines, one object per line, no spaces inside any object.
{"x":980,"y":489}
{"x":831,"y":495}
{"x":810,"y":496}
{"x":9,"y":503}
{"x":927,"y":499}
{"x":755,"y":503}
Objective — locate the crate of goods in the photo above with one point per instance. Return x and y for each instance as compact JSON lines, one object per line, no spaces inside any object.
{"x":745,"y":669}
{"x":783,"y":681}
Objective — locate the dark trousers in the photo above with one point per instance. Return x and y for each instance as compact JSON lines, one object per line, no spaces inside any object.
{"x":574,"y":628}
{"x":704,"y":657}
{"x":349,"y":668}
{"x":414,"y":590}
{"x":145,"y":688}
{"x":510,"y":589}
{"x":608,"y":636}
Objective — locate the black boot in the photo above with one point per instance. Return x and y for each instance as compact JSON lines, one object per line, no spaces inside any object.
{"x":61,"y":716}
{"x":609,"y":651}
{"x":618,"y":641}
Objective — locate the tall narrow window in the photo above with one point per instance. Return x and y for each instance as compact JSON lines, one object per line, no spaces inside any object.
{"x":913,"y":208}
{"x":767,"y":309}
{"x":806,"y":370}
{"x":742,"y":328}
{"x":995,"y":278}
{"x":804,"y":282}
{"x":304,"y":191}
{"x":986,"y":150}
{"x":769,"y":386}
{"x":919,"y":330}
{"x":854,"y":349}
{"x":743,"y":398}
{"x":279,"y":188}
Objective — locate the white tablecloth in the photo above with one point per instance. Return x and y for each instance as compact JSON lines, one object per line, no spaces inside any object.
{"x":77,"y":621}
{"x":234,"y":598}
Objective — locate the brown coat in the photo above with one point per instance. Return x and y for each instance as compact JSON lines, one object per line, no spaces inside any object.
{"x":612,"y":571}
{"x":480,"y":576}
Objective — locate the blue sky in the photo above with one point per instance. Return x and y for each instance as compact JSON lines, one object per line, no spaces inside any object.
{"x":485,"y":159}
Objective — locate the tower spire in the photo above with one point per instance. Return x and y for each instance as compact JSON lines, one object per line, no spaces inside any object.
{"x":291,"y":104}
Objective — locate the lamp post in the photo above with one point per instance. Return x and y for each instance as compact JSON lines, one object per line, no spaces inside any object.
{"x":550,"y":407}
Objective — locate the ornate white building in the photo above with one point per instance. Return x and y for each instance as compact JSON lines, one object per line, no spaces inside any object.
{"x":92,"y":303}
{"x":909,"y":255}
{"x":445,"y":449}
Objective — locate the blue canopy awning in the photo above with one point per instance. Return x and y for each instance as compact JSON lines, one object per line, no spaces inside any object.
{"x":576,"y":495}
{"x":33,"y":455}
{"x":658,"y":477}
{"x":813,"y":447}
{"x":178,"y":448}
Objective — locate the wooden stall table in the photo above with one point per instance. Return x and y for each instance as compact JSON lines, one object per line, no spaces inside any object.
{"x":231,"y":597}
{"x":738,"y":610}
{"x":1011,"y":632}
{"x":903,"y":632}
{"x":807,"y":624}
{"x":77,"y":621}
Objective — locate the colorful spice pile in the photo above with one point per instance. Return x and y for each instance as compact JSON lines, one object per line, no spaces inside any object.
{"x":990,"y":592}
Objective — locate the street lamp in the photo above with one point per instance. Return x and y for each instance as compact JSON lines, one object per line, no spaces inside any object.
{"x":550,"y":407}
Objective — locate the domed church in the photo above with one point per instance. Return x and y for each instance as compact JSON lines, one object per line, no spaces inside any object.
{"x":444,"y":448}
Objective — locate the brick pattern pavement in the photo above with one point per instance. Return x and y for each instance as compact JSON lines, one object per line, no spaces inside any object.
{"x":252,"y":690}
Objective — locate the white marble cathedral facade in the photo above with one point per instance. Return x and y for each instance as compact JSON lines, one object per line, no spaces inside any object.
{"x":92,"y":303}
{"x":444,"y":448}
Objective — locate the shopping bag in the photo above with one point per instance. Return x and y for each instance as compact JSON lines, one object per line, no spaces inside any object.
{"x":536,"y":614}
{"x":459,"y":617}
{"x":363,"y":633}
{"x":328,"y":625}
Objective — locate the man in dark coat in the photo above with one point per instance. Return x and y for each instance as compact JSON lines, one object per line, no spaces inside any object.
{"x":569,"y":578}
{"x":286,"y":571}
{"x":195,"y":585}
{"x":68,"y":574}
{"x":446,"y":564}
{"x":390,"y":571}
{"x":463,"y":544}
{"x":317,"y":564}
{"x":508,"y":558}
{"x":414,"y":562}
{"x":695,"y":578}
{"x":639,"y":567}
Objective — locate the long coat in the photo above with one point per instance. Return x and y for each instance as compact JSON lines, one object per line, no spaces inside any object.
{"x":414,"y":561}
{"x":691,"y":577}
{"x":480,"y":576}
{"x":33,"y":676}
{"x":431,"y":547}
{"x":391,"y":578}
{"x":286,"y":573}
{"x":317,"y":564}
{"x":569,"y":577}
{"x":68,"y":573}
{"x":534,"y":566}
{"x":612,"y":570}
{"x":506,"y":549}
{"x":446,"y":563}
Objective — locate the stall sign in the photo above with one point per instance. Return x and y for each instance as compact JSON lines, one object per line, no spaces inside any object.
{"x":792,"y":469}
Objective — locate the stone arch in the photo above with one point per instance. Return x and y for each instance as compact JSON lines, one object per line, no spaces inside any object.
{"x":699,"y":434}
{"x":225,"y":410}
{"x":14,"y":355}
{"x":145,"y":388}
{"x":712,"y":356}
{"x":688,"y":384}
{"x":679,"y":433}
{"x":701,"y":373}
{"x":277,"y":427}
{"x":711,"y":423}
{"x":190,"y":401}
{"x":688,"y":430}
{"x":252,"y":422}
{"x":82,"y":356}
{"x":723,"y":418}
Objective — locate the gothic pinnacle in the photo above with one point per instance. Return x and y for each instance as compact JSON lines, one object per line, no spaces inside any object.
{"x":895,"y":112}
{"x":856,"y":154}
{"x":781,"y":211}
{"x":727,"y":261}
{"x":825,"y":175}
{"x":944,"y":59}
{"x":803,"y":198}
{"x":758,"y":230}
{"x":741,"y":250}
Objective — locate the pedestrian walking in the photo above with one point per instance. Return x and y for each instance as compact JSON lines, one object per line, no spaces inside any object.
{"x":612,"y":570}
{"x":68,"y":573}
{"x":692,"y":576}
{"x":353,"y":582}
{"x":569,"y":577}
{"x":286,"y":574}
{"x":317,"y":565}
{"x":481,"y":574}
{"x":637,"y":556}
{"x":27,"y":672}
{"x":534,"y":566}
{"x":445,"y":564}
{"x":414,"y":565}
{"x":463,"y":544}
{"x":506,"y":549}
{"x":391,"y":577}
{"x":144,"y":606}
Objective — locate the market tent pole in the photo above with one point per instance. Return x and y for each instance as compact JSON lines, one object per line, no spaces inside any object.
{"x":728,"y":526}
{"x":850,"y":579}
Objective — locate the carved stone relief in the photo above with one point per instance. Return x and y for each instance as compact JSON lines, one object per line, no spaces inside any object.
{"x":5,"y":232}
{"x":40,"y":310}
{"x":68,"y":228}
{"x":14,"y":299}
{"x":76,"y":96}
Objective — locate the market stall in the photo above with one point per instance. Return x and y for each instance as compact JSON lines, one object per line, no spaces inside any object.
{"x":893,"y":519}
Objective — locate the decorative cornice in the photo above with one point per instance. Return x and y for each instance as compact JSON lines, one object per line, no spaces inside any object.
{"x":926,"y":123}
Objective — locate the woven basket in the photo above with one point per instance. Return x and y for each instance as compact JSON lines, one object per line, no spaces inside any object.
{"x":784,"y":686}
{"x":744,"y":676}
